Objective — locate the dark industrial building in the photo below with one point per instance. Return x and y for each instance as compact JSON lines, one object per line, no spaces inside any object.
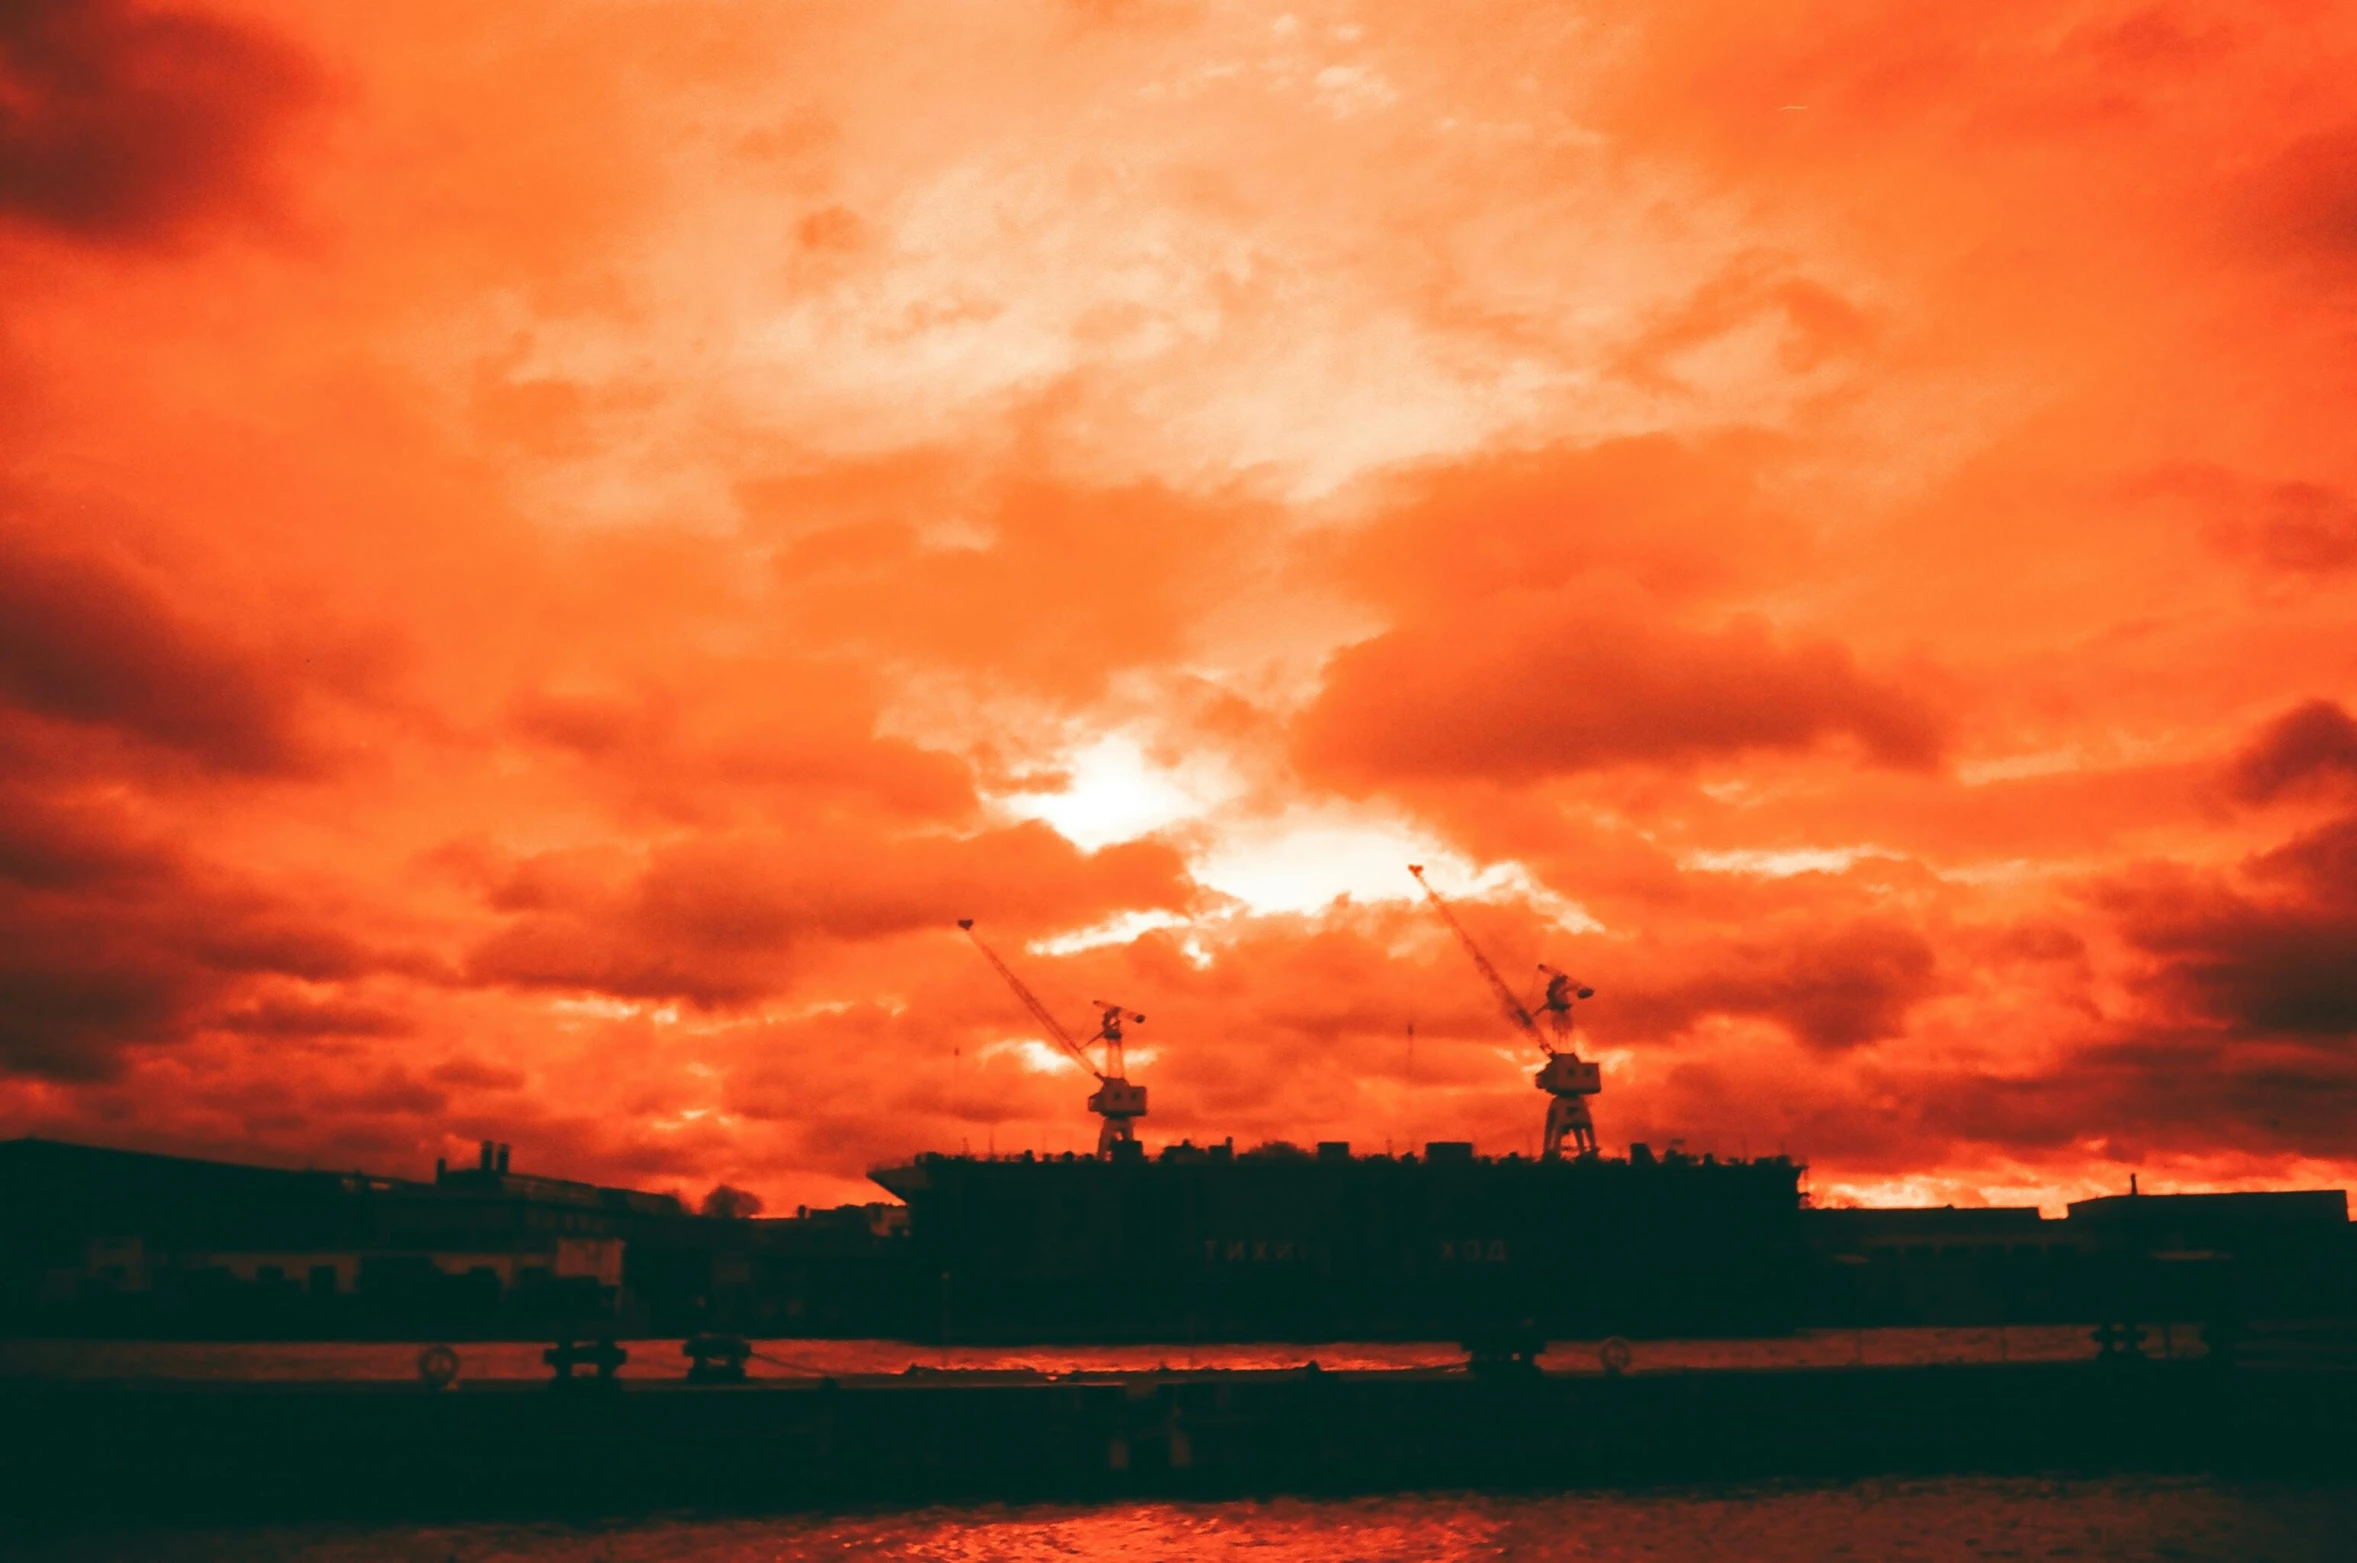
{"x":105,"y":1241}
{"x":1187,"y":1244}
{"x":2152,"y":1256}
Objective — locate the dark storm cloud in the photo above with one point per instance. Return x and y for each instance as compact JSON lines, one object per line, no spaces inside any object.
{"x":2276,"y":952}
{"x":478,"y":1075}
{"x":120,"y":123}
{"x":2274,"y":955}
{"x":1532,"y":689}
{"x":93,"y":644}
{"x":2303,"y":529}
{"x":2307,"y":195}
{"x":86,"y":642}
{"x":111,"y":939}
{"x":302,"y":1017}
{"x":1833,"y":989}
{"x":2287,"y":526}
{"x":2291,"y":528}
{"x":2312,"y":743}
{"x":2175,"y":1093}
{"x":723,"y":922}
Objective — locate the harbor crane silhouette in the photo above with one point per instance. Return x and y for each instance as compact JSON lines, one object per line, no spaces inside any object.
{"x":1568,"y":1079}
{"x":1116,"y":1100}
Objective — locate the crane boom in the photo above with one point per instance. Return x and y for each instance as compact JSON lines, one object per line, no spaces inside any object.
{"x":1514,"y":1007}
{"x":1039,"y":1012}
{"x":1568,"y":1079}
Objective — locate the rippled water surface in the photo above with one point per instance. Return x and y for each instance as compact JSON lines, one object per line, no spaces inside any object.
{"x":1933,"y":1521}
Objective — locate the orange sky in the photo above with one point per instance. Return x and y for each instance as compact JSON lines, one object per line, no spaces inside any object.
{"x":548,"y":551}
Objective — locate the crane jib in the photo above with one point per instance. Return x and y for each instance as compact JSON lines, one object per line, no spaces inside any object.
{"x":1506,"y":999}
{"x":1039,"y":1012}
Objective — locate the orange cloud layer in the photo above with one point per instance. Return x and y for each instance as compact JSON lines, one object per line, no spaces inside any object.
{"x":547,"y":555}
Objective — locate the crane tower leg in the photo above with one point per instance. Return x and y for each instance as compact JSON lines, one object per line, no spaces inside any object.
{"x":1569,"y":1116}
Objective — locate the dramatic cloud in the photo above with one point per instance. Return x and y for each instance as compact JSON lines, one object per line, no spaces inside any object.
{"x":121,"y":122}
{"x":1535,"y":688}
{"x":86,"y":643}
{"x":2269,"y":956}
{"x":2308,"y":194}
{"x":548,"y":553}
{"x":1832,"y":989}
{"x":2310,"y":745}
{"x":721,"y":921}
{"x":109,"y":939}
{"x":1675,"y":518}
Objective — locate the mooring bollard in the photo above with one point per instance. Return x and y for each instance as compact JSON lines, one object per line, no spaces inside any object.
{"x":716,"y":1359}
{"x":437,"y":1367}
{"x":606,"y":1357}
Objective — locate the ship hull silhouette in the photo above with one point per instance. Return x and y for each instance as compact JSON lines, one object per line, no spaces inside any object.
{"x":1274,"y":1245}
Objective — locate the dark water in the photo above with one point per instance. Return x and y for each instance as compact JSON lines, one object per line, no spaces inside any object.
{"x":1930,"y":1520}
{"x":661,"y":1359}
{"x":2187,"y":1520}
